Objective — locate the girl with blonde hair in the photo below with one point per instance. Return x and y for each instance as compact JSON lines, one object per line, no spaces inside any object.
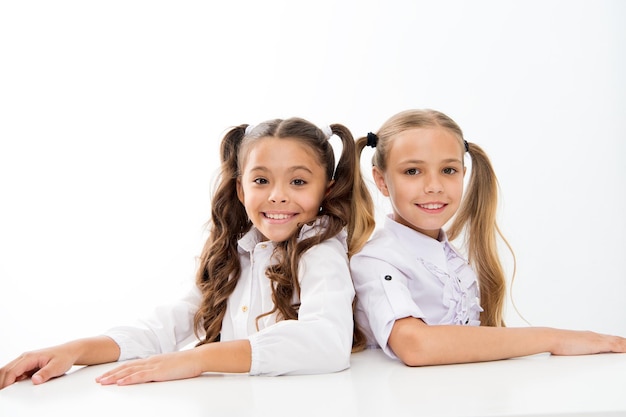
{"x":418,"y":297}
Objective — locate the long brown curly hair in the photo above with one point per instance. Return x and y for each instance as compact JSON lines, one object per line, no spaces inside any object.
{"x":346,"y":205}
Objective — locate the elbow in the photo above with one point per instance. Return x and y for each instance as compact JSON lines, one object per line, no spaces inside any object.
{"x":409,"y":344}
{"x":337,"y":363}
{"x":328,"y":353}
{"x":409,"y":360}
{"x":336,"y":354}
{"x":410,"y":354}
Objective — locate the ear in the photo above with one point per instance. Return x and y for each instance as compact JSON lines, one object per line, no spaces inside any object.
{"x":240,"y":191}
{"x":379,"y":179}
{"x":328,"y":187}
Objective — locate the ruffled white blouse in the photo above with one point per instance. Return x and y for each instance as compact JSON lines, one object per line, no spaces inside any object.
{"x":320,"y":341}
{"x":403,"y":273}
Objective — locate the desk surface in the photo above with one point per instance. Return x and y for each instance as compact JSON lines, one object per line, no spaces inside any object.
{"x":539,"y":385}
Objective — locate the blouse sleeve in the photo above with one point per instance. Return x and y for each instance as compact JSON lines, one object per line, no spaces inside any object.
{"x":383,"y":297}
{"x":320,"y":341}
{"x":169,"y":328}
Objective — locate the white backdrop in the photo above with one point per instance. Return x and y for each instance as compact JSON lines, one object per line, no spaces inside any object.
{"x":111,"y":115}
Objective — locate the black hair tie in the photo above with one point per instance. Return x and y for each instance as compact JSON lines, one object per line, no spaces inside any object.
{"x":466,"y":145}
{"x":372,"y":139}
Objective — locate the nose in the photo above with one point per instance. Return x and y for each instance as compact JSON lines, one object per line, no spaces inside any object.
{"x":278,"y":195}
{"x":433,"y":185}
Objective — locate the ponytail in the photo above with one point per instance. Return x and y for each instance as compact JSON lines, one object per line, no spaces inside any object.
{"x":348,"y":176}
{"x":220,"y":259}
{"x":351,"y":194}
{"x":363,"y":206}
{"x":477,"y":216}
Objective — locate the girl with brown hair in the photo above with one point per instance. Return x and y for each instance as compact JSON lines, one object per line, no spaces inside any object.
{"x":273,"y":290}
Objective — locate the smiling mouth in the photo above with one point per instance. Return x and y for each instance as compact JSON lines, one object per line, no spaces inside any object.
{"x":277,"y":216}
{"x":431,"y":206}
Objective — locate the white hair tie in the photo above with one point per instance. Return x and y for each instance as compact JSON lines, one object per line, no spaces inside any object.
{"x":328,"y":132}
{"x":249,"y":129}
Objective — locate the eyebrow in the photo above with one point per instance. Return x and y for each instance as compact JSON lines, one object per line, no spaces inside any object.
{"x":419,"y":161}
{"x":290,"y":169}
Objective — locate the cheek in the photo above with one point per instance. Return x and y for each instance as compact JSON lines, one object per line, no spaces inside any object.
{"x":319,"y":199}
{"x":457,"y":188}
{"x":247,"y":196}
{"x":314,"y":201}
{"x":400,"y":184}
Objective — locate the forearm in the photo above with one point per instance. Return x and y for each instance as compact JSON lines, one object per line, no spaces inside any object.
{"x":93,"y":350}
{"x":419,"y":344}
{"x":231,"y":356}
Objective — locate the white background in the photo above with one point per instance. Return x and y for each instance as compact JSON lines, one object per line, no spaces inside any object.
{"x":111,"y":115}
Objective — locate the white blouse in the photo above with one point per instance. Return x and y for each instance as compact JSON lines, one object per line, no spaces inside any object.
{"x":320,"y":341}
{"x":403,"y":273}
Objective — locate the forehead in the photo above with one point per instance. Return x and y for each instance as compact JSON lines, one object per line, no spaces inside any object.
{"x":425,"y":142}
{"x":278,"y":152}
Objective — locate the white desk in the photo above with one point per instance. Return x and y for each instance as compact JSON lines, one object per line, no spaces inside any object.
{"x":539,"y":385}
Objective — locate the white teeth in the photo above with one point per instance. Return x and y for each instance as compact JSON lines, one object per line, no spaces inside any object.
{"x":277,"y":216}
{"x":431,"y":206}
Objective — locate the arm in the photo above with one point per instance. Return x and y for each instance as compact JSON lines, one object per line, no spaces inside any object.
{"x":417,"y":343}
{"x":167,"y":329}
{"x":320,"y":341}
{"x":233,"y":356}
{"x":51,"y":362}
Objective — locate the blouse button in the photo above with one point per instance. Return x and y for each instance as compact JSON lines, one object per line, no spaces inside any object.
{"x":263,"y":246}
{"x":387,"y":277}
{"x":244,"y":309}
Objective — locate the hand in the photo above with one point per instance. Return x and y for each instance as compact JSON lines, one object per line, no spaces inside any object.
{"x":40,"y":365}
{"x":571,"y":342}
{"x":44,"y":364}
{"x":164,"y":367}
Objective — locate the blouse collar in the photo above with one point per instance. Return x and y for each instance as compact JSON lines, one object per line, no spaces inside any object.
{"x":422,"y":246}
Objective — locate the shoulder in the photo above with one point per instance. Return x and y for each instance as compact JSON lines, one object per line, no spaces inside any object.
{"x":381,"y":239}
{"x":382,"y":254}
{"x":326,"y":262}
{"x":383,"y":245}
{"x":331,"y":247}
{"x":338,"y":243}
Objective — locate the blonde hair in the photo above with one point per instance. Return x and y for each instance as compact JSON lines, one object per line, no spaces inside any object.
{"x":346,"y":205}
{"x":475,"y":221}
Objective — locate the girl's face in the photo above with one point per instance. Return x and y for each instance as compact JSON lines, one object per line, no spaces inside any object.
{"x":424,"y":178}
{"x":282,"y":185}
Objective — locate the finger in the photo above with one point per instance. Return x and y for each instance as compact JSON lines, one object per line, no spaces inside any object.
{"x":6,"y":379}
{"x":18,"y":370}
{"x":52,"y":369}
{"x":21,"y":378}
{"x":141,"y":374}
{"x":137,"y":377}
{"x":122,"y":376}
{"x":108,"y":375}
{"x":10,"y":377}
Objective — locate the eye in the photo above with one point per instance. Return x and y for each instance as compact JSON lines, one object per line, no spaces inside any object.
{"x":449,"y":171}
{"x":411,"y":171}
{"x":298,"y":182}
{"x":260,"y":181}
